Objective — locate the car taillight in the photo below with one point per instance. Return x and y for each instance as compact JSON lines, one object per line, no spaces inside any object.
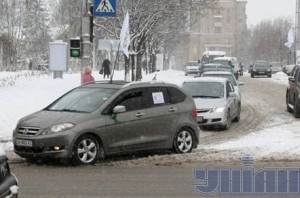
{"x":195,"y":113}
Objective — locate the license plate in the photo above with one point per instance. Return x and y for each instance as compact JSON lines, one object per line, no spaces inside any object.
{"x":261,"y":72}
{"x":20,"y":142}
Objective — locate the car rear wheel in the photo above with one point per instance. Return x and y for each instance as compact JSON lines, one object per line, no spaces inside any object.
{"x":252,"y":75}
{"x":86,"y":150}
{"x":183,"y":141}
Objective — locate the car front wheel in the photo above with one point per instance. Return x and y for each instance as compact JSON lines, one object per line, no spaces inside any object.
{"x":183,"y":141}
{"x":86,"y":150}
{"x":296,"y":108}
{"x":228,"y":122}
{"x":288,"y":108}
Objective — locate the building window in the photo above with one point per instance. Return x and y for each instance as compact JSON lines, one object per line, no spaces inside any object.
{"x":228,"y":19}
{"x":218,"y":30}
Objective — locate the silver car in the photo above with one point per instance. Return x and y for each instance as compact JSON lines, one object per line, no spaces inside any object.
{"x":192,"y":67}
{"x":217,"y":103}
{"x":223,"y":74}
{"x":104,"y":118}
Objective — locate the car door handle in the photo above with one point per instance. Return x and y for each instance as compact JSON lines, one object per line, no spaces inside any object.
{"x":172,"y":109}
{"x":139,"y":114}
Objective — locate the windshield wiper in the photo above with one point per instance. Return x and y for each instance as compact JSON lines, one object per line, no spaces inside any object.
{"x":72,"y":110}
{"x":199,"y":96}
{"x":67,"y":110}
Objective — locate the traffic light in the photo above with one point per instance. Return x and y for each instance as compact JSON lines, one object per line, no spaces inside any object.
{"x":75,"y":48}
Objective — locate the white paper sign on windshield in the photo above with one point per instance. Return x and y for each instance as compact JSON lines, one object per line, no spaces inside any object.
{"x":158,"y":98}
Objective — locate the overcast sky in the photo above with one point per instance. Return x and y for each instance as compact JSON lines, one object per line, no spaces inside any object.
{"x":258,"y":10}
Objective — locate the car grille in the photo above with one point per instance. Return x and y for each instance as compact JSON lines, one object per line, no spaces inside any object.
{"x":29,"y":149}
{"x":28,"y":131}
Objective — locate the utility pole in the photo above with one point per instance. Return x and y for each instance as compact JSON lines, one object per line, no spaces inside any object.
{"x":86,"y":57}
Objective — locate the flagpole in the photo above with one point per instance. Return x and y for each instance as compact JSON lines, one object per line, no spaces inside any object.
{"x":117,"y":58}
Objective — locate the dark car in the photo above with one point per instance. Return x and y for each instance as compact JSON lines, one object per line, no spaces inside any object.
{"x":260,"y":68}
{"x":292,"y":93}
{"x":8,"y":181}
{"x":104,"y":118}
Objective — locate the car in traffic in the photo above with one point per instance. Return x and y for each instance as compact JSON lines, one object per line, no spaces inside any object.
{"x":229,"y":61}
{"x":104,"y":118}
{"x":276,"y":67}
{"x":213,"y":67}
{"x":261,"y":68}
{"x":217,"y":103}
{"x":293,"y":93}
{"x":8,"y":181}
{"x":230,"y":77}
{"x":191,"y":67}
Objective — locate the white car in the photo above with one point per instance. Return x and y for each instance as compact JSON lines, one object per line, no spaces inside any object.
{"x":230,"y":77}
{"x":216,"y":102}
{"x":192,"y":67}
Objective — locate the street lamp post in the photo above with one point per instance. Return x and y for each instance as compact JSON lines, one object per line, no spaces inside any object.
{"x":86,"y":57}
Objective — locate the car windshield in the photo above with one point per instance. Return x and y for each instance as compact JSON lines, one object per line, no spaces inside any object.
{"x":223,"y":62}
{"x":216,"y":68}
{"x":82,"y":100}
{"x":204,"y":89}
{"x":261,"y":64}
{"x":229,"y":77}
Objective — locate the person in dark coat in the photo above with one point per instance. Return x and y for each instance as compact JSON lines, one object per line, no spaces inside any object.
{"x":106,"y":68}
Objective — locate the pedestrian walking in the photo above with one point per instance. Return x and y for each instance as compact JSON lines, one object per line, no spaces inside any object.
{"x":87,"y":77}
{"x":105,"y":68}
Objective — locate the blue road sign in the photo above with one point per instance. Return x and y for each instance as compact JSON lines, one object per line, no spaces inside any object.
{"x":105,"y":8}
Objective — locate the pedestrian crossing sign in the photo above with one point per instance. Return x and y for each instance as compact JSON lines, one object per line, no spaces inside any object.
{"x":105,"y":8}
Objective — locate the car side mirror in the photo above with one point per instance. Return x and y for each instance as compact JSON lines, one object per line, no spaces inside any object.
{"x":241,"y":83}
{"x":119,"y":109}
{"x":291,"y":79}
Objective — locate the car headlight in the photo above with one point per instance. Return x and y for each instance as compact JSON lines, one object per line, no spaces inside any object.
{"x":59,"y":128}
{"x":253,"y":69}
{"x":268,"y":70}
{"x":218,"y":110}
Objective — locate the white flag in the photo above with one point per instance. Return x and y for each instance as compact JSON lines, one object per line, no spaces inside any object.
{"x":125,"y":36}
{"x":290,"y":38}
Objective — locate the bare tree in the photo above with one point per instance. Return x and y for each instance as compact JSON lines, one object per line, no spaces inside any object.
{"x":268,"y":39}
{"x":154,"y":24}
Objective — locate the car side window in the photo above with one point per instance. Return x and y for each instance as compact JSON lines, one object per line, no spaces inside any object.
{"x":176,"y":95}
{"x":132,"y":100}
{"x":294,"y":72}
{"x":298,"y":76}
{"x":157,"y":96}
{"x":228,"y":89}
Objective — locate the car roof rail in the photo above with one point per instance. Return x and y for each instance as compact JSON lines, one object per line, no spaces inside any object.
{"x":144,"y":83}
{"x":114,"y":82}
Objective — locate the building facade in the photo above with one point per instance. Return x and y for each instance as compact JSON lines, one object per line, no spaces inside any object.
{"x":218,"y":30}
